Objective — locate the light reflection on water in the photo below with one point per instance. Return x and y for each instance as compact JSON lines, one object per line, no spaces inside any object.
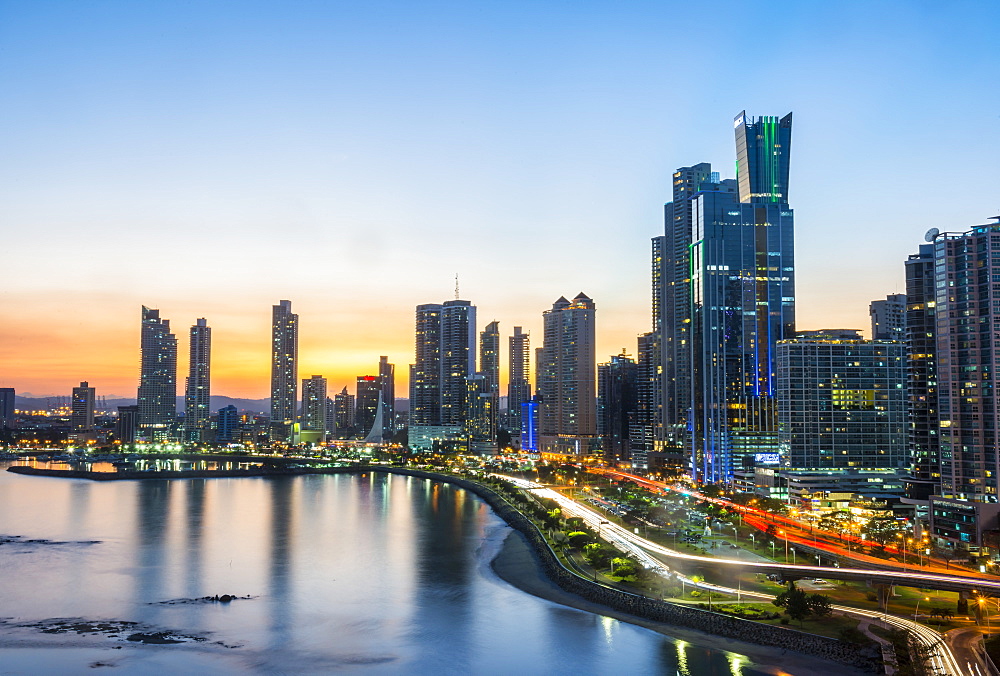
{"x":366,"y":573}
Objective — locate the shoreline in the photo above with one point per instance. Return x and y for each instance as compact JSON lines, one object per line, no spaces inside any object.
{"x":517,"y":564}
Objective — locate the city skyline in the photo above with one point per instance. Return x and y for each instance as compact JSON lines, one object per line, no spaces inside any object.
{"x":396,"y":163}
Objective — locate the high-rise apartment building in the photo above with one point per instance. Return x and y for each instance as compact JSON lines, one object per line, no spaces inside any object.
{"x":966,"y":359}
{"x":519,"y":379}
{"x":489,"y":356}
{"x":567,"y":379}
{"x":369,"y":395}
{"x":967,"y":276}
{"x":198,"y":389}
{"x":314,"y":408}
{"x":671,"y":278}
{"x":6,"y":408}
{"x":723,"y":277}
{"x":82,"y":408}
{"x":157,"y":378}
{"x":445,"y":357}
{"x":284,"y":370}
{"x":343,"y":406}
{"x":921,"y":340}
{"x":842,"y":402}
{"x":480,"y":421}
{"x":617,"y":404}
{"x":387,"y":378}
{"x":889,"y":317}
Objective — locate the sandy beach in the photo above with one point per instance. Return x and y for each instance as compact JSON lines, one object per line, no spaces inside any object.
{"x":517,"y":564}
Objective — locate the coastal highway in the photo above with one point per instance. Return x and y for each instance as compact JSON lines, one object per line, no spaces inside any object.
{"x":943,"y":660}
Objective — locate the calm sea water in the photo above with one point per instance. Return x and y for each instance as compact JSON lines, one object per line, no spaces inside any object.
{"x":364,"y":574}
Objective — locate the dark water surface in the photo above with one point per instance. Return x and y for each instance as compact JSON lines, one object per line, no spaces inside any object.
{"x":368,"y":574}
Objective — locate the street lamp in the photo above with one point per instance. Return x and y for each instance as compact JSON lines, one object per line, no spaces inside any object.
{"x":926,"y":598}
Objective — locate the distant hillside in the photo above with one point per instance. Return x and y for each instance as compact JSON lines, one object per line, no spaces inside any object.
{"x":41,"y":403}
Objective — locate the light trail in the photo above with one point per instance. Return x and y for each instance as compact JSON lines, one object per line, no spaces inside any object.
{"x":942,"y":659}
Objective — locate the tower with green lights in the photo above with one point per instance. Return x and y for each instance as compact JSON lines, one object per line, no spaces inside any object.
{"x":726,"y":292}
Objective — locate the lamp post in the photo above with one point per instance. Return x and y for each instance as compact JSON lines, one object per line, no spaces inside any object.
{"x":917,"y":610}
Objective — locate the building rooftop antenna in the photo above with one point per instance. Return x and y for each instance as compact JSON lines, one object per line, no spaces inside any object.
{"x":456,"y":286}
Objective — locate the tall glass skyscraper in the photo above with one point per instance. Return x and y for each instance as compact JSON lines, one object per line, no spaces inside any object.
{"x":157,"y":378}
{"x":727,"y":296}
{"x":197,"y":390}
{"x":284,"y":370}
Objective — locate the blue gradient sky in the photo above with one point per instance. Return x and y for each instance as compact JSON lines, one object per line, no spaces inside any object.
{"x":212,"y":158}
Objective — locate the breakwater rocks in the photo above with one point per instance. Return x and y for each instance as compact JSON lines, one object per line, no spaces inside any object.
{"x":653,"y":609}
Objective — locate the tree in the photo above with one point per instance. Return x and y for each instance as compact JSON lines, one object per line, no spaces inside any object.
{"x":622,"y":567}
{"x":579,"y":538}
{"x":881,"y":529}
{"x":795,"y":602}
{"x":819,"y":605}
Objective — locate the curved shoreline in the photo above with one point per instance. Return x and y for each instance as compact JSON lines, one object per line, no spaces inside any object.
{"x":517,"y":565}
{"x":536,"y":570}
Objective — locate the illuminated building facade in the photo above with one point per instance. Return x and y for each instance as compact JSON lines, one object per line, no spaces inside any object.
{"x":343,"y":408}
{"x":314,"y":408}
{"x":157,"y":378}
{"x":889,"y":317}
{"x":228,"y":424}
{"x":567,"y":379}
{"x":480,"y":421}
{"x":924,"y":477}
{"x":284,"y":370}
{"x":519,"y":382}
{"x":6,"y":408}
{"x":842,"y":402}
{"x":617,"y":405}
{"x":742,"y":302}
{"x":387,"y":379}
{"x":198,"y":388}
{"x":967,"y":318}
{"x":82,"y":408}
{"x":368,"y":391}
{"x":445,"y":356}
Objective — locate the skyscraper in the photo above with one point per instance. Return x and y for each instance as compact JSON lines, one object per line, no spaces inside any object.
{"x":445,"y":356}
{"x":489,"y":367}
{"x":967,"y":333}
{"x":314,"y":409}
{"x":518,"y":383}
{"x":284,"y":370}
{"x":567,"y":379}
{"x":924,"y":478}
{"x":671,"y":277}
{"x":157,"y":378}
{"x":617,"y":404}
{"x":82,"y":411}
{"x":6,"y":408}
{"x":889,"y":317}
{"x":387,"y":378}
{"x":369,"y":394}
{"x":966,"y":359}
{"x":343,"y":406}
{"x":489,"y":356}
{"x":197,"y":390}
{"x":480,"y":422}
{"x":725,"y":290}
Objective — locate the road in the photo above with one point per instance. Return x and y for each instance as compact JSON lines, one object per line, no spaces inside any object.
{"x":798,"y":533}
{"x":964,"y":644}
{"x":942,"y":660}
